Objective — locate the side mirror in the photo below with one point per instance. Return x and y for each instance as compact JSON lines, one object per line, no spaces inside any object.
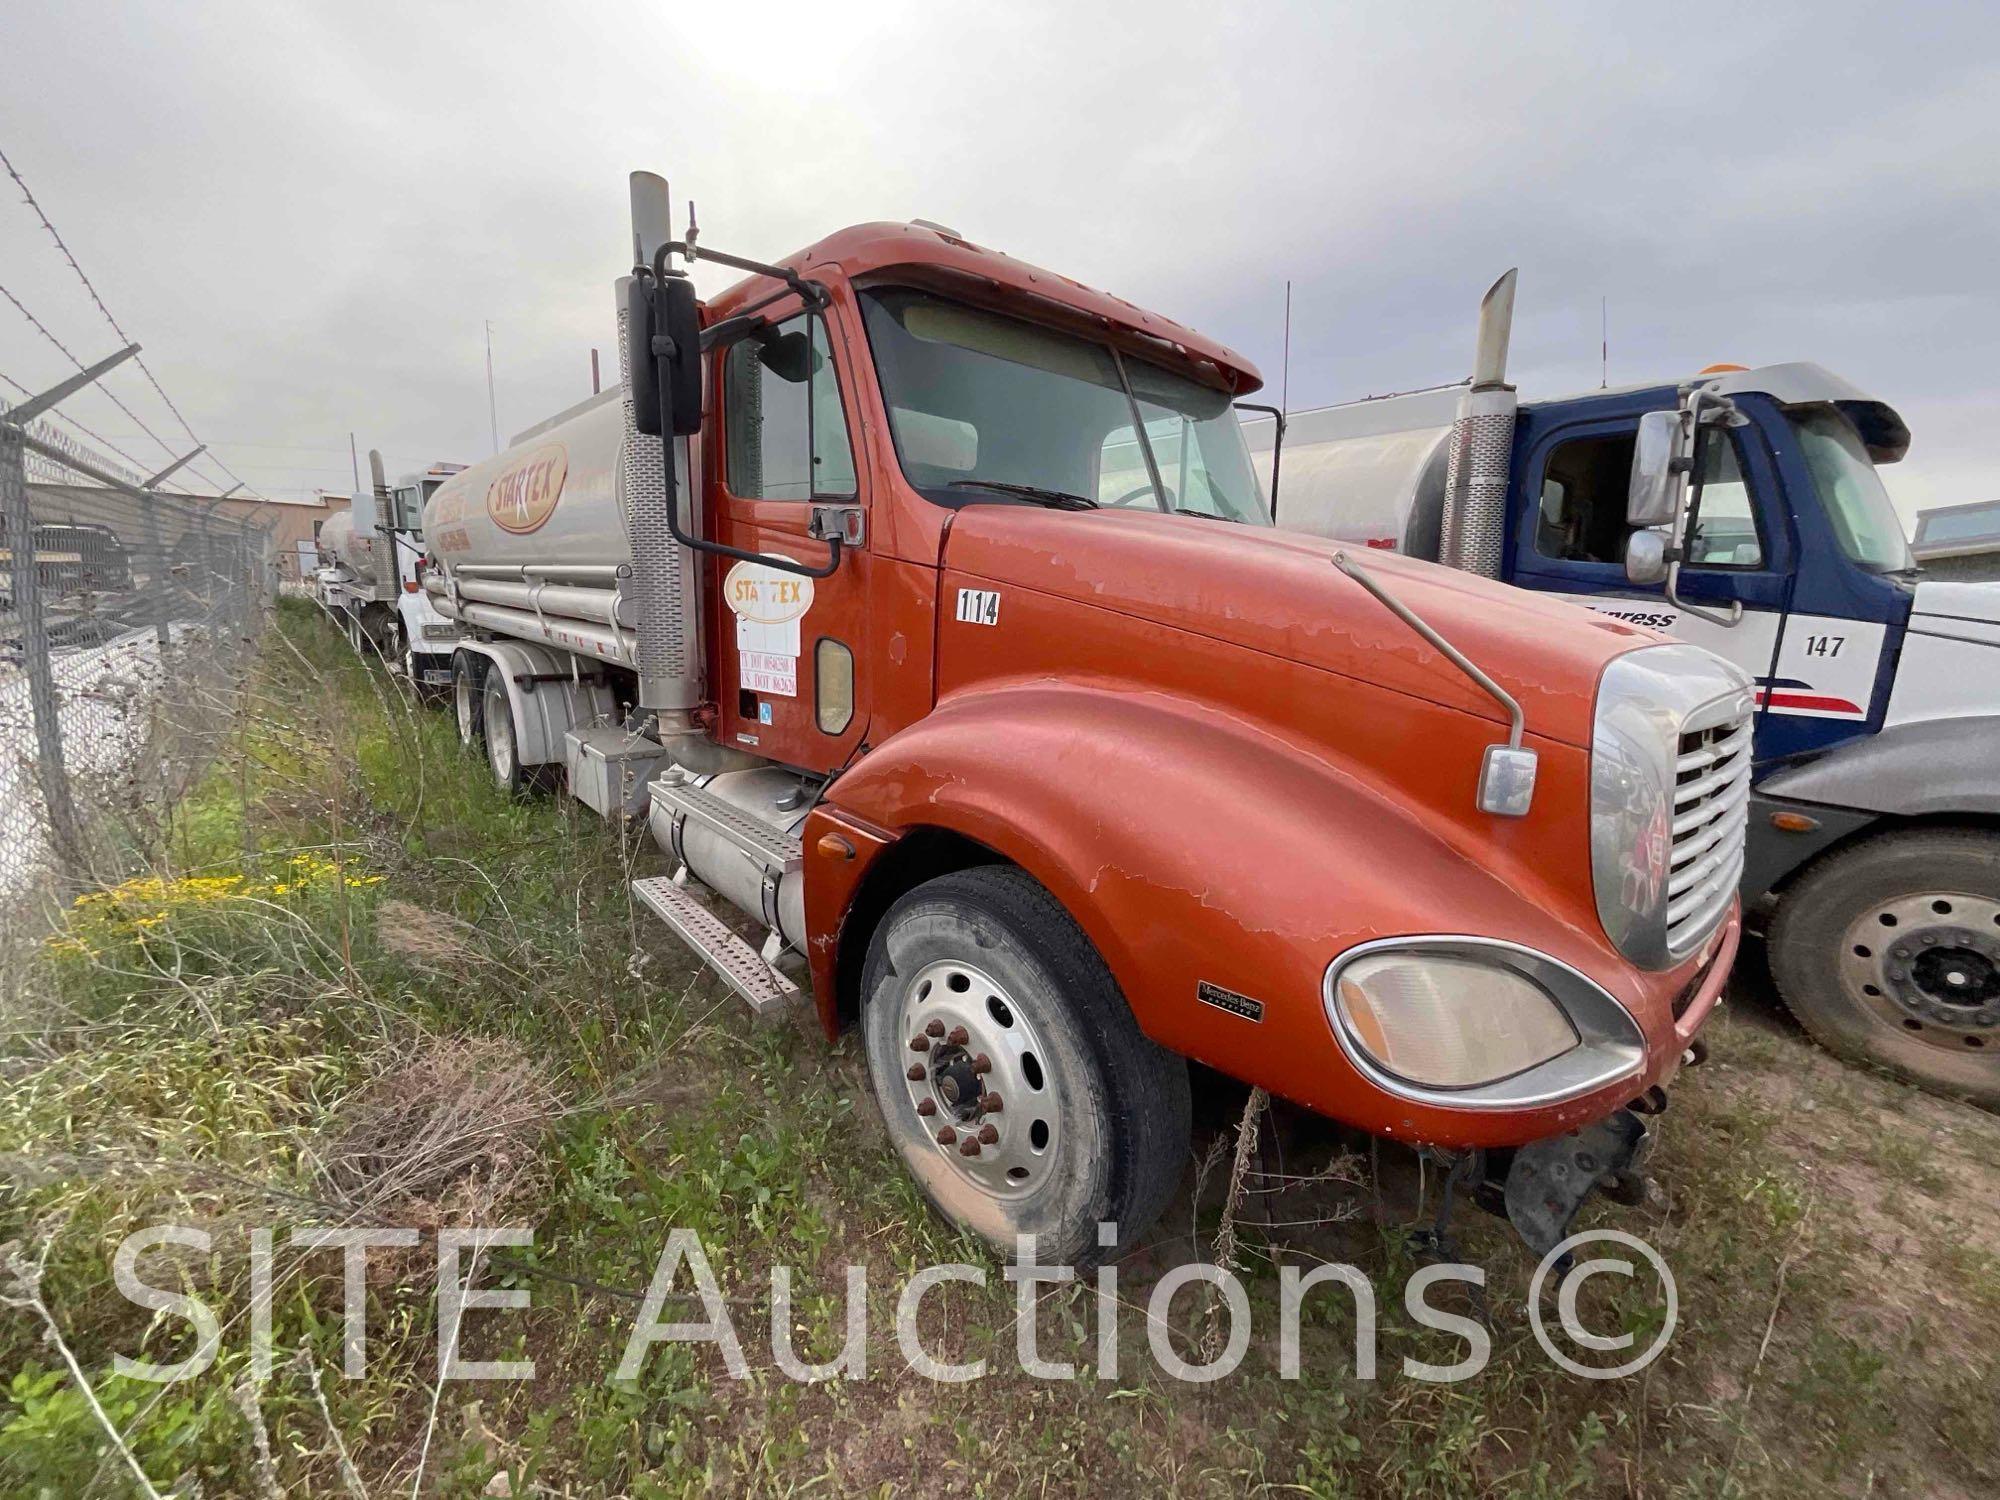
{"x":789,"y":356}
{"x":1653,"y":496}
{"x":668,"y":311}
{"x":1645,"y":557}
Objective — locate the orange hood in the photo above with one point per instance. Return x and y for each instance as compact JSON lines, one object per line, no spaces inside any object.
{"x":1278,"y":592}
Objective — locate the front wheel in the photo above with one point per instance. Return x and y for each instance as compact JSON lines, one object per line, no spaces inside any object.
{"x":1889,"y":952}
{"x":1013,"y":1079}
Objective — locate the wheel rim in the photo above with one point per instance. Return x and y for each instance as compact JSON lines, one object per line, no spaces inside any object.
{"x":500,"y":739}
{"x":978,"y":1079}
{"x":1929,"y":965}
{"x":461,"y":688}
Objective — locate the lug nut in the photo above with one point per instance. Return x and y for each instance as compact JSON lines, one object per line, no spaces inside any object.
{"x":920,"y":1043}
{"x":959,"y":1036}
{"x":935,"y":1028}
{"x":968,"y":1147}
{"x":988,"y":1135}
{"x":946,"y":1135}
{"x":916,"y":1073}
{"x":927,"y":1107}
{"x":990,"y":1103}
{"x":982,"y":1064}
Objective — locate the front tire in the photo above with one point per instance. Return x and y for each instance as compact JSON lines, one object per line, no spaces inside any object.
{"x":1889,"y":953}
{"x":1078,"y":1118}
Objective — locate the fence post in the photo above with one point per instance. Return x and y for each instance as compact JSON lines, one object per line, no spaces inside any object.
{"x":65,"y":833}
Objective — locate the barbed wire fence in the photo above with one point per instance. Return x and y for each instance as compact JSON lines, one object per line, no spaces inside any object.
{"x":127,"y":612}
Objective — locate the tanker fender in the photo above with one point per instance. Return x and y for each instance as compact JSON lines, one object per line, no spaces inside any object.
{"x":547,"y":700}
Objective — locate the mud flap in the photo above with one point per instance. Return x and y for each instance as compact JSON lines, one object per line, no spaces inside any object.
{"x":1548,"y":1181}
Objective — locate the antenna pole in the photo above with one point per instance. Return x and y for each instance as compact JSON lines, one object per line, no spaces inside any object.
{"x":354,"y":457}
{"x":595,"y":386}
{"x":492,"y":407}
{"x":1285,"y":368}
{"x":1604,"y":343}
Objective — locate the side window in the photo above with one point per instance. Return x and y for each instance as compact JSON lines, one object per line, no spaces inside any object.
{"x":1584,"y":489}
{"x":409,"y":513}
{"x":1724,"y":533}
{"x":786,"y":431}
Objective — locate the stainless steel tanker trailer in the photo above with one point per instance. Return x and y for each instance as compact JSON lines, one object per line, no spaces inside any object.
{"x":370,"y":557}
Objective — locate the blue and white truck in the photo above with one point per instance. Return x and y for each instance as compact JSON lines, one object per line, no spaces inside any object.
{"x":1739,"y":509}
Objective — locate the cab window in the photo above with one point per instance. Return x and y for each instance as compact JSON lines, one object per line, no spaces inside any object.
{"x":1587,"y":480}
{"x":1724,"y":529}
{"x":785,"y":429}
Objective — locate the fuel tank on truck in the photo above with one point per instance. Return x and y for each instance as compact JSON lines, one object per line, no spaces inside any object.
{"x":358,"y":552}
{"x":553,"y":498}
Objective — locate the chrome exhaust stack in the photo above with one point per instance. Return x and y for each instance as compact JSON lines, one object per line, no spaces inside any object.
{"x":663,"y":578}
{"x":1482,"y":439}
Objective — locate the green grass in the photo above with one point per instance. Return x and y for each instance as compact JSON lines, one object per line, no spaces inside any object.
{"x":199,"y":1052}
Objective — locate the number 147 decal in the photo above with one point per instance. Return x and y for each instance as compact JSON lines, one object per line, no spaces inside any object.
{"x":1824,"y":645}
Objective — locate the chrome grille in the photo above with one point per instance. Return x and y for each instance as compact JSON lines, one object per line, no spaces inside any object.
{"x":1711,"y":813}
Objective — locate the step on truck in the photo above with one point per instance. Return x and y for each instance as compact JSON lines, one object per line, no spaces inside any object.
{"x":924,"y":604}
{"x":1739,"y":509}
{"x":371,"y":555}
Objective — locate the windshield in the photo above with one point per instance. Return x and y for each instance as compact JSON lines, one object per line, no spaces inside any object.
{"x":977,"y":398}
{"x":1850,"y":489}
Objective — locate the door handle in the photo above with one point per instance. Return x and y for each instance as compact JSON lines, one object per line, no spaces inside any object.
{"x":846,"y":524}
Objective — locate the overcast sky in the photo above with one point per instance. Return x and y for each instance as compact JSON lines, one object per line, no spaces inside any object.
{"x":307,"y":213}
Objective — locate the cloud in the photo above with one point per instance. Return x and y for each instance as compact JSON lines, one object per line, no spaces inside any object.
{"x":309,"y":214}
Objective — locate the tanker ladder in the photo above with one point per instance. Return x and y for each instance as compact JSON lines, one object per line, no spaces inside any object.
{"x":753,"y":975}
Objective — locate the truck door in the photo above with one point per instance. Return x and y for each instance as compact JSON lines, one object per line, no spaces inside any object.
{"x":1569,"y":533}
{"x":792,"y":666}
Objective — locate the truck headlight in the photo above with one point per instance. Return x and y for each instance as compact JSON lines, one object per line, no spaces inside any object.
{"x":1477,"y":1023}
{"x":1449,"y":1022}
{"x":1669,"y":798}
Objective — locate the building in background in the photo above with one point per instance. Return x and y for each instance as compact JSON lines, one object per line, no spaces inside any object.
{"x":1959,"y":541}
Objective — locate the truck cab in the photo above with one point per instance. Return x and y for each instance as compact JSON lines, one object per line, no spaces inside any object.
{"x":370,"y":577}
{"x":922,"y":604}
{"x":1877,"y":789}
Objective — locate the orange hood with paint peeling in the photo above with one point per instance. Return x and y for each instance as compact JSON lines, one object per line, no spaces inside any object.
{"x":1278,"y":592}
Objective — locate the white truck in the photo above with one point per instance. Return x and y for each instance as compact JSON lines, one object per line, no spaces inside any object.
{"x":371,"y":558}
{"x":1739,"y":509}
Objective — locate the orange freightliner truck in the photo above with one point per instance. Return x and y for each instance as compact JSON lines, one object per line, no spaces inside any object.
{"x":925,"y":604}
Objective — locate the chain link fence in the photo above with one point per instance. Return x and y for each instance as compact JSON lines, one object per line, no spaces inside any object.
{"x":126,"y":619}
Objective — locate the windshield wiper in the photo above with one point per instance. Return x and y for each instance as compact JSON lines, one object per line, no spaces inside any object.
{"x":1207,"y":515}
{"x":1054,"y":499}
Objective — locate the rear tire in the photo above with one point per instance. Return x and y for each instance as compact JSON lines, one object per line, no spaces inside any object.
{"x":503,"y":742}
{"x":1093,"y":1120}
{"x":1889,"y":953}
{"x":467,"y":698}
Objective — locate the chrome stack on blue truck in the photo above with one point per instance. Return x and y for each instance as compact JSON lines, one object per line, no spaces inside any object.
{"x":1739,"y":509}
